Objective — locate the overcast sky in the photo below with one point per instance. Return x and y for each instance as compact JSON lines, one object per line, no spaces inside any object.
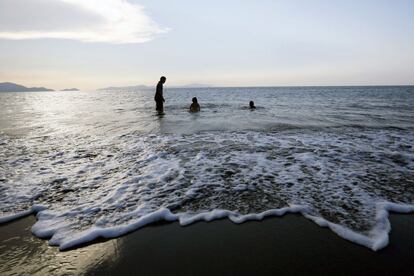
{"x":91,"y":44}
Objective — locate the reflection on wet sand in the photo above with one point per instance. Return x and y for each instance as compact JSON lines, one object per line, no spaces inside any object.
{"x":21,"y":253}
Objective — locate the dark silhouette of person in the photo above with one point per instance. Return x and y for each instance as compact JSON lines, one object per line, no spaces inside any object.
{"x":251,"y":105}
{"x":159,"y":98}
{"x":195,"y":107}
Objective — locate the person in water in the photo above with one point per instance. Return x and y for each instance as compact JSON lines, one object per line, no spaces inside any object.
{"x":159,"y":98}
{"x":251,"y":104}
{"x":195,"y":107}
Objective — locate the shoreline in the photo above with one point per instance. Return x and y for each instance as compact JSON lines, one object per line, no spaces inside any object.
{"x":288,"y":244}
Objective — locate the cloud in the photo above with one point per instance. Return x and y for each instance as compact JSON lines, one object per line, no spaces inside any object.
{"x":108,"y":21}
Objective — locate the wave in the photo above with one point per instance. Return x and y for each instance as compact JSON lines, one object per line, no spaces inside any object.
{"x":85,"y":187}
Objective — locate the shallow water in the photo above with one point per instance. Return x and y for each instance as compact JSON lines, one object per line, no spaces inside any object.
{"x":104,"y":163}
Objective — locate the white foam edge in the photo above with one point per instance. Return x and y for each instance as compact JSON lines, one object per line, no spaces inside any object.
{"x":378,"y":237}
{"x":34,"y":209}
{"x":186,"y":219}
{"x":159,"y":215}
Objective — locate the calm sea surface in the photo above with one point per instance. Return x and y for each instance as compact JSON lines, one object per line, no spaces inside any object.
{"x":104,"y":163}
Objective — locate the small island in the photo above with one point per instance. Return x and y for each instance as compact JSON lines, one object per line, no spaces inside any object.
{"x":13,"y":87}
{"x":70,"y":89}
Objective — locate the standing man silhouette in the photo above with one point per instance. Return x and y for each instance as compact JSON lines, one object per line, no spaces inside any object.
{"x":159,"y":98}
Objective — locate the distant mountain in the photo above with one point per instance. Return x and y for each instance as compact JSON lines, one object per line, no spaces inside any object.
{"x":12,"y":87}
{"x":70,"y":89}
{"x":135,"y":87}
{"x":194,"y":85}
{"x":138,"y":87}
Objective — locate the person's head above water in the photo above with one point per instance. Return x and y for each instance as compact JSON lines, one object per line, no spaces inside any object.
{"x":251,"y":104}
{"x":194,"y":107}
{"x":163,"y":79}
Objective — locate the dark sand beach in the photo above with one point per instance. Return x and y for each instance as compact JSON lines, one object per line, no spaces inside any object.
{"x":280,"y":245}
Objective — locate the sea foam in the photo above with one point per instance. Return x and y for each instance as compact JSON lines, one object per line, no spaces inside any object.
{"x":83,"y":188}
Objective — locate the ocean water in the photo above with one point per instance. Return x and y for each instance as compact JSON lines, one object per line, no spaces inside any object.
{"x":103,"y":163}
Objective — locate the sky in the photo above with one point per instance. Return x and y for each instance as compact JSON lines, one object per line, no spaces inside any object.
{"x":90,"y":44}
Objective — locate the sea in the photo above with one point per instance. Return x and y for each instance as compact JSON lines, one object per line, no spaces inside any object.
{"x":100,"y":164}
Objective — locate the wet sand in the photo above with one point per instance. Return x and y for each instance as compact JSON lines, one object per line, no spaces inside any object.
{"x":286,"y":245}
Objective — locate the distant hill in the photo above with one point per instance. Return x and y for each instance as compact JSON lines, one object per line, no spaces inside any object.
{"x":70,"y":89}
{"x":135,"y":87}
{"x":195,"y":85}
{"x":12,"y":87}
{"x":138,"y":87}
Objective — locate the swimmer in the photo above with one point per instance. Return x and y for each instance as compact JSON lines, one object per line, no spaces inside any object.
{"x":195,"y":107}
{"x":251,"y":105}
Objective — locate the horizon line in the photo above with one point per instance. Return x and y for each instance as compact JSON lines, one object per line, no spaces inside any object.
{"x":260,"y":86}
